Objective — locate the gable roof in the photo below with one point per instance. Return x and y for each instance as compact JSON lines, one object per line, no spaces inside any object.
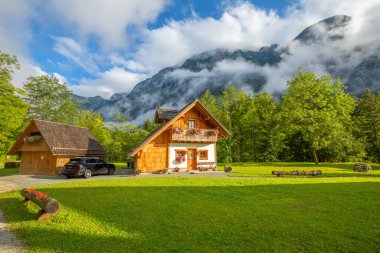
{"x":196,"y":103}
{"x":63,"y":139}
{"x":164,"y":114}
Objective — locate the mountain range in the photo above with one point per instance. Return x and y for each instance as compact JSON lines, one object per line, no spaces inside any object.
{"x":326,"y":47}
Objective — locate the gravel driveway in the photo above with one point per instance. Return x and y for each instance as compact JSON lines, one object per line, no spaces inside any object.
{"x":14,"y":182}
{"x":8,"y":241}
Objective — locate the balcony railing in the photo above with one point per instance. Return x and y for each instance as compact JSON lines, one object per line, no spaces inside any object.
{"x":194,"y":135}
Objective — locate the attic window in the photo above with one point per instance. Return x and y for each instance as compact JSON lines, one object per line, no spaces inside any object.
{"x":191,"y":123}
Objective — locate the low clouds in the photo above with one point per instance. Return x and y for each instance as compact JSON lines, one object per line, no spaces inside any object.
{"x":244,"y":26}
{"x":120,"y":79}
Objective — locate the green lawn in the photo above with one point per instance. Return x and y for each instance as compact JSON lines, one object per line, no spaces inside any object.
{"x":4,"y":172}
{"x":328,"y":169}
{"x":338,"y":212}
{"x":120,"y":165}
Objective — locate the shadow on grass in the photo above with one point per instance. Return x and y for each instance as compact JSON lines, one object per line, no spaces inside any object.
{"x":15,"y":203}
{"x":149,"y":218}
{"x":353,"y":174}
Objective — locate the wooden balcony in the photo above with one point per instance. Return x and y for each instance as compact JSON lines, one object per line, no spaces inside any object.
{"x":194,"y":135}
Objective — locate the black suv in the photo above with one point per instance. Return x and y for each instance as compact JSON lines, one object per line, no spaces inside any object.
{"x":87,"y":166}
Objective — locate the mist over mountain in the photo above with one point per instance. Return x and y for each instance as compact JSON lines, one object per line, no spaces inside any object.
{"x":331,"y":46}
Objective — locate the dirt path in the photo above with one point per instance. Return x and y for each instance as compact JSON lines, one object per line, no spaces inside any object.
{"x":8,"y":241}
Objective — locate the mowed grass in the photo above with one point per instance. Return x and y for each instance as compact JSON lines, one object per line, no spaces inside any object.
{"x":328,"y":169}
{"x":4,"y":172}
{"x":257,"y":213}
{"x":120,"y":165}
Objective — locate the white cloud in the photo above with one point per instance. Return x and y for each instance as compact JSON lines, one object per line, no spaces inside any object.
{"x":245,"y":26}
{"x":106,"y":20}
{"x":13,"y":17}
{"x":129,"y":64}
{"x":240,"y":27}
{"x":26,"y":70}
{"x":60,"y":78}
{"x":107,"y":83}
{"x":14,"y":31}
{"x":109,"y":25}
{"x":77,"y":53}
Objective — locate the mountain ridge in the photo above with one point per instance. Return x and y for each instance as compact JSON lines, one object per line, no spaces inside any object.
{"x":251,"y":70}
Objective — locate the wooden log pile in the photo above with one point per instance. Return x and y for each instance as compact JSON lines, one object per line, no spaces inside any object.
{"x":227,"y":169}
{"x":11,"y":165}
{"x":49,"y":206}
{"x":362,"y":167}
{"x":314,"y":173}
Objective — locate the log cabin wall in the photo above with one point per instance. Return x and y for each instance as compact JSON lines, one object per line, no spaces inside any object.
{"x":33,"y":147}
{"x":154,"y":156}
{"x":42,"y":163}
{"x":38,"y":163}
{"x":193,"y":114}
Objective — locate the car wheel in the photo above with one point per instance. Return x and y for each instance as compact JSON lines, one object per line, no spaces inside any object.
{"x":111,"y":171}
{"x":68,"y":176}
{"x":87,"y":173}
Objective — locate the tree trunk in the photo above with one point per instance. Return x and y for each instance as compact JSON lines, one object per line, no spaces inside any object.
{"x":315,"y":156}
{"x":49,"y":205}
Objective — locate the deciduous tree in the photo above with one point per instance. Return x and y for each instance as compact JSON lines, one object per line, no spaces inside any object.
{"x":319,"y":109}
{"x":262,"y":129}
{"x":13,"y":109}
{"x":49,"y":99}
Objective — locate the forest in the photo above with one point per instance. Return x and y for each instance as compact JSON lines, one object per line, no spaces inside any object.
{"x":313,"y":120}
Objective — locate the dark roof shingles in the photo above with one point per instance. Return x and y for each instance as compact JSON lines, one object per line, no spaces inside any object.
{"x":70,"y":140}
{"x":166,"y":114}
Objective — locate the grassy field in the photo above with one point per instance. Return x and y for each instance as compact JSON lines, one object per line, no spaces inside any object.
{"x":4,"y":172}
{"x":120,"y":165}
{"x":338,"y":212}
{"x":328,"y":169}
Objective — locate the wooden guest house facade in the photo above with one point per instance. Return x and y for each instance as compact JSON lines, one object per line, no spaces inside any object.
{"x":186,"y":140}
{"x":46,"y":146}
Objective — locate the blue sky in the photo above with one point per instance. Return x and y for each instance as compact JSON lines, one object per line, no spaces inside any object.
{"x":100,"y":47}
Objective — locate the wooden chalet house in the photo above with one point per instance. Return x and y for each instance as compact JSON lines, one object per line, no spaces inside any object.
{"x":186,"y":139}
{"x":45,"y":146}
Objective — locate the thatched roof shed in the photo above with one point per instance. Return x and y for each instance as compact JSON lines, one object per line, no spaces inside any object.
{"x":45,"y":146}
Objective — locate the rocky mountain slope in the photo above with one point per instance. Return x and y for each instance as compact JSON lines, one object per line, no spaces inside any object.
{"x":321,"y":48}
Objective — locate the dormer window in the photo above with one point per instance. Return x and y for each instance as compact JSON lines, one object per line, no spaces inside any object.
{"x":191,"y":123}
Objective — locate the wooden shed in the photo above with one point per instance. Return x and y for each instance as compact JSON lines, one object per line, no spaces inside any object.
{"x":46,"y":146}
{"x":186,"y":140}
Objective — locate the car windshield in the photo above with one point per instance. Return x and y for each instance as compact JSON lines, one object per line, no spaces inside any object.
{"x":74,"y":161}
